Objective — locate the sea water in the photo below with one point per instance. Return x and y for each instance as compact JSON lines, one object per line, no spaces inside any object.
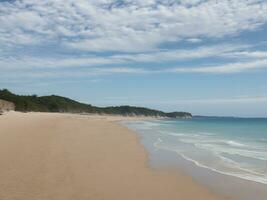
{"x":231,"y":146}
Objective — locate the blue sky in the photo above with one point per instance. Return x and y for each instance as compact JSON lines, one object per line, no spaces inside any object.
{"x":207,"y":57}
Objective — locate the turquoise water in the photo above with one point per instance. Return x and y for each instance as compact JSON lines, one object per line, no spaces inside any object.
{"x":232,"y":146}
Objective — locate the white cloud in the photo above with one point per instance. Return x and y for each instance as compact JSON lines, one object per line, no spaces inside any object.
{"x":30,"y":62}
{"x":221,"y":69}
{"x":248,"y":54}
{"x":138,"y":28}
{"x":93,"y":72}
{"x":194,"y":40}
{"x":184,"y":54}
{"x":27,"y":62}
{"x":104,"y":71}
{"x":130,"y":26}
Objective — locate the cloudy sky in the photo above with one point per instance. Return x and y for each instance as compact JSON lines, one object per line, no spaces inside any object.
{"x":207,"y":57}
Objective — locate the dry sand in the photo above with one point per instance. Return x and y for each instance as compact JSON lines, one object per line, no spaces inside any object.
{"x":75,"y":157}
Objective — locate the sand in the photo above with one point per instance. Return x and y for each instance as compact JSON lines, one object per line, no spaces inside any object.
{"x":77,"y":157}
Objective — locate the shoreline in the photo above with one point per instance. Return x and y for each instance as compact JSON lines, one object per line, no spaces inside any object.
{"x":220,"y":183}
{"x":66,"y":156}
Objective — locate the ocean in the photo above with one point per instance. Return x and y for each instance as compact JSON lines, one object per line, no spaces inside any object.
{"x":229,"y":146}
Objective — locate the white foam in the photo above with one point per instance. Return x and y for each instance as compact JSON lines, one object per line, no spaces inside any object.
{"x":237,"y":170}
{"x":234,"y":151}
{"x":235,"y":144}
{"x":205,"y":144}
{"x":260,"y":179}
{"x":206,"y":133}
{"x":174,"y":134}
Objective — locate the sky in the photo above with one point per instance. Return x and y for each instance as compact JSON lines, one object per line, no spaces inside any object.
{"x":207,"y":57}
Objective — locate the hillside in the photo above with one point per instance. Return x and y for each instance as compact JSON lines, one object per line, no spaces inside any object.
{"x":55,"y":103}
{"x":6,"y":106}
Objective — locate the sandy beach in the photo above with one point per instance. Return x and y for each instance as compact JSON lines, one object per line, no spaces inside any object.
{"x":63,"y":156}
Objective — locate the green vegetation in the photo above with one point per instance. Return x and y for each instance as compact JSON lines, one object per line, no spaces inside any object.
{"x":54,"y":103}
{"x":179,"y":115}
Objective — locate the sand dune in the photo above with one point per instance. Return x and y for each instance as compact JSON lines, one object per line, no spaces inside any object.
{"x":74,"y":157}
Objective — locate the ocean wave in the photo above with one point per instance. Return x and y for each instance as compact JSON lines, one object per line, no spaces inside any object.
{"x":260,"y":155}
{"x":145,"y":125}
{"x":241,"y":167}
{"x":198,"y":139}
{"x":264,"y":140}
{"x":234,"y":143}
{"x":251,"y":175}
{"x":189,"y":135}
{"x":232,"y":147}
{"x":172,"y":134}
{"x":239,"y":154}
{"x":234,"y":168}
{"x":206,"y":133}
{"x":152,"y":124}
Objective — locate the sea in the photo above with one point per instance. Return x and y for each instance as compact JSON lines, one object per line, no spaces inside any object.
{"x":236,"y":147}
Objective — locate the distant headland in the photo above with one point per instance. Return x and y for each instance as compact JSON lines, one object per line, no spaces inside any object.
{"x":53,"y":103}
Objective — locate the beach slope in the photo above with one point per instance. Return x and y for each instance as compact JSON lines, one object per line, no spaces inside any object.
{"x":66,"y":157}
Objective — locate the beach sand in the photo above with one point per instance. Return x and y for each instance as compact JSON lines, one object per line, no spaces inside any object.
{"x":47,"y":156}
